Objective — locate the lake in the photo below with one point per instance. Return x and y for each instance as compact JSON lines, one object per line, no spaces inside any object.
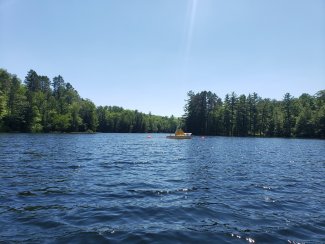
{"x":99,"y":188}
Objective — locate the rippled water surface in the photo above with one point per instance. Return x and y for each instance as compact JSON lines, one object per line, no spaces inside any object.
{"x":131,"y":188}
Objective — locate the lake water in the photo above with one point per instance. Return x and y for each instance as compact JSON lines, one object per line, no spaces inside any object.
{"x":95,"y":188}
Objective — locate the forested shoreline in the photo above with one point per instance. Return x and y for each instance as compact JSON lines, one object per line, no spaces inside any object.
{"x":207,"y":114}
{"x":39,"y":104}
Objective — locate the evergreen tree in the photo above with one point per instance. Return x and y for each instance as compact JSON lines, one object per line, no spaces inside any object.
{"x":242,"y":117}
{"x":288,"y":114}
{"x":227,"y":116}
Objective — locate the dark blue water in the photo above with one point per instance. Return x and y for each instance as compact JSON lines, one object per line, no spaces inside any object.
{"x":129,"y":188}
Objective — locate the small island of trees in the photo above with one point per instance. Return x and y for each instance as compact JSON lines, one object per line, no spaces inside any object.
{"x":42,"y":105}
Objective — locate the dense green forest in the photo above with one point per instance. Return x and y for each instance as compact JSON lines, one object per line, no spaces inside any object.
{"x":41,"y":105}
{"x":207,"y":114}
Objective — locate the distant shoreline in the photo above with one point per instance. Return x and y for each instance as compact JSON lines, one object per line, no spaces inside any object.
{"x":201,"y":136}
{"x":42,"y":105}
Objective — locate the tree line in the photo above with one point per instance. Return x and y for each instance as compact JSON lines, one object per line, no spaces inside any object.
{"x":42,"y":105}
{"x":39,"y":104}
{"x":207,"y":114}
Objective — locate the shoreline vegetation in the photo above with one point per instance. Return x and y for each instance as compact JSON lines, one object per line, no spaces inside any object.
{"x":41,"y":105}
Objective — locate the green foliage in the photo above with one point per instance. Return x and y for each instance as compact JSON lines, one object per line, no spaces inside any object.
{"x":254,"y":116}
{"x":3,"y":106}
{"x":319,"y":120}
{"x":201,"y":113}
{"x":61,"y":122}
{"x":4,"y":88}
{"x":117,"y":119}
{"x":40,"y":105}
{"x":88,"y":115}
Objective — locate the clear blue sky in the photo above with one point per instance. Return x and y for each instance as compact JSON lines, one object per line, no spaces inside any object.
{"x":147,"y":54}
